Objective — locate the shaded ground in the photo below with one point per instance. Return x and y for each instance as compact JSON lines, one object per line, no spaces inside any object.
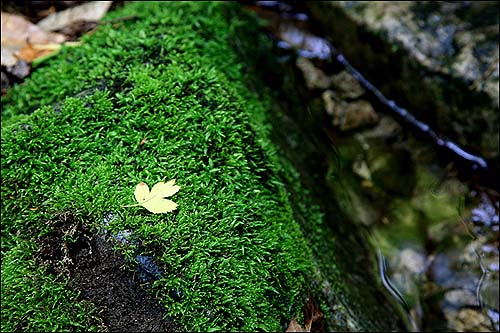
{"x":100,"y":275}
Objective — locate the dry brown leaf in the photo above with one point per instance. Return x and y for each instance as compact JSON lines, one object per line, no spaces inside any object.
{"x":313,"y":319}
{"x":90,"y":11}
{"x":17,"y":32}
{"x":30,"y":52}
{"x":294,"y":326}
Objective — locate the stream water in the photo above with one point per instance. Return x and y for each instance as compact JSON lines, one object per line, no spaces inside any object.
{"x":434,"y":231}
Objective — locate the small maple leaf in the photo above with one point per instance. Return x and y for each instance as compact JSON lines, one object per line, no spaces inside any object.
{"x":155,"y":201}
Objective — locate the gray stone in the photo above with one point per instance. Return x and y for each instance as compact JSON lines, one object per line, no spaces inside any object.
{"x":468,"y":320}
{"x":438,"y":59}
{"x":348,"y":115}
{"x":313,"y":77}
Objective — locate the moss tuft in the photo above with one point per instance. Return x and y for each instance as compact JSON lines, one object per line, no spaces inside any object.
{"x":233,"y":256}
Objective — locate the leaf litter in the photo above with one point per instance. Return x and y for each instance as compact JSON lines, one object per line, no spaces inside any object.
{"x":18,"y":33}
{"x":89,"y":12}
{"x":26,"y":44}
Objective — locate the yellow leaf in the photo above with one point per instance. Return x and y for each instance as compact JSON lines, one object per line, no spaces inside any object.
{"x":155,"y":201}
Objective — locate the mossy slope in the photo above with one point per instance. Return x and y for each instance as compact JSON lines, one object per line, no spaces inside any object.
{"x":71,"y":140}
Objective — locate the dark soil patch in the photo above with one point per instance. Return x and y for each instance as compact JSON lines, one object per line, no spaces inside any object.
{"x":100,"y":275}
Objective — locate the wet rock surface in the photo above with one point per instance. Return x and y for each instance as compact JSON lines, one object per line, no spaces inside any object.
{"x":100,"y":274}
{"x":439,"y":59}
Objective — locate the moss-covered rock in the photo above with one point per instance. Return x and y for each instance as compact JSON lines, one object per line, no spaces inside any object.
{"x":152,"y":98}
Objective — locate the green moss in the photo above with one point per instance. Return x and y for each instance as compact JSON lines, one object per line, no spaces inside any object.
{"x":233,"y":247}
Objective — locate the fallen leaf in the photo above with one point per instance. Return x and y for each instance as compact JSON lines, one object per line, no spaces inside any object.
{"x":313,"y":319}
{"x":155,"y":201}
{"x":294,"y":326}
{"x":90,"y":11}
{"x":36,"y":53}
{"x":17,"y":32}
{"x":77,"y":29}
{"x":31,"y":52}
